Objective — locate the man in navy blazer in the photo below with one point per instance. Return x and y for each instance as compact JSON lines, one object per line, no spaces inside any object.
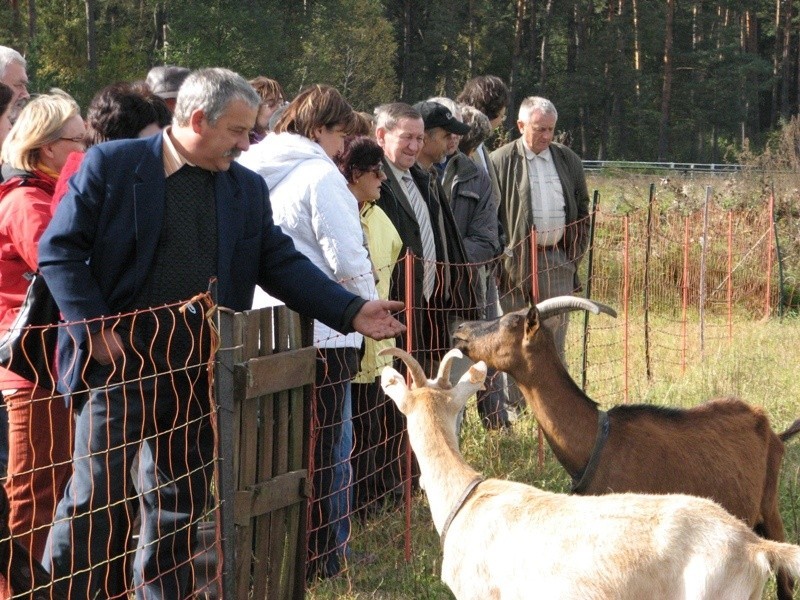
{"x":147,"y":223}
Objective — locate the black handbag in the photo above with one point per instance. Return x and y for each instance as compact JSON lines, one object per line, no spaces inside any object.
{"x":28,"y":348}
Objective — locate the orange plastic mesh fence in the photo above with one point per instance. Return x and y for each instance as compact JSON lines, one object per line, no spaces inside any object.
{"x":139,"y":443}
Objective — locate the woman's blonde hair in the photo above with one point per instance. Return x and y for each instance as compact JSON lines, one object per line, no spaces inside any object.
{"x":41,"y":122}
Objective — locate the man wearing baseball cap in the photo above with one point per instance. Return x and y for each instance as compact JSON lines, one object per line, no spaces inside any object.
{"x":441,"y":127}
{"x":165,"y":81}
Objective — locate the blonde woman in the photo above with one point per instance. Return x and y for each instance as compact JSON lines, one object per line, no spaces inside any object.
{"x":47,"y":130}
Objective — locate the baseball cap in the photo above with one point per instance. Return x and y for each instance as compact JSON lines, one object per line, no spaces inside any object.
{"x":164,"y":81}
{"x":437,"y":115}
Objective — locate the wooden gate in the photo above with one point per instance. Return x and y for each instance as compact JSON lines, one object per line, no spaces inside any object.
{"x":264,"y":377}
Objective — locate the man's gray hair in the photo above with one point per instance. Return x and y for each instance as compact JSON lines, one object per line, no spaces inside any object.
{"x":451,"y":105}
{"x":211,"y":90}
{"x":8,"y":56}
{"x":389,"y":115}
{"x":533,"y":104}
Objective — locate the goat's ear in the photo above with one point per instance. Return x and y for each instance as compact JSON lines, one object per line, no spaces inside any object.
{"x":394,"y":385}
{"x":470,"y":382}
{"x":532,"y":322}
{"x":475,"y":375}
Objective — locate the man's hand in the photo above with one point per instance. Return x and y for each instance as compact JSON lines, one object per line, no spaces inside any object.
{"x":375,"y":319}
{"x":106,"y":346}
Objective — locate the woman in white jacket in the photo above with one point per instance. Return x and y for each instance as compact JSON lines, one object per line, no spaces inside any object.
{"x":312,"y":203}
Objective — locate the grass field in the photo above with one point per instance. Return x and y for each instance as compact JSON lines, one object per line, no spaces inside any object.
{"x":760,"y":365}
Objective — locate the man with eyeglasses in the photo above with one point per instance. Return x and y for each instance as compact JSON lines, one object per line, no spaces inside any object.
{"x":13,"y":73}
{"x":411,"y":198}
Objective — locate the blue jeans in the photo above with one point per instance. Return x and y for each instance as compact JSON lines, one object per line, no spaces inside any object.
{"x":329,"y":526}
{"x":343,"y":476}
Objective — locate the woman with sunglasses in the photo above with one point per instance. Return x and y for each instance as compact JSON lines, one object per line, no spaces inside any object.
{"x":361,"y":163}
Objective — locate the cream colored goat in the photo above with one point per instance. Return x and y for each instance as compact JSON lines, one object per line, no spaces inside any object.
{"x":506,"y":540}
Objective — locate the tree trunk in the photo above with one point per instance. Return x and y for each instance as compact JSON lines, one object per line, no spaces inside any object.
{"x":637,"y":48}
{"x":750,"y":124}
{"x":32,"y":20}
{"x":666,"y":88}
{"x":773,"y":115}
{"x":519,"y":21}
{"x":543,"y":49}
{"x":405,"y":58}
{"x":471,"y":39}
{"x":91,"y":36}
{"x":786,"y":70}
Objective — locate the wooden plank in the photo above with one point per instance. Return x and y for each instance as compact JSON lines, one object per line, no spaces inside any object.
{"x":284,"y":490}
{"x":227,"y":449}
{"x":280,"y":461}
{"x":272,"y":380}
{"x":278,"y":541}
{"x":294,"y":569}
{"x":269,"y":374}
{"x":264,"y":552}
{"x":247,"y":475}
{"x":251,"y":338}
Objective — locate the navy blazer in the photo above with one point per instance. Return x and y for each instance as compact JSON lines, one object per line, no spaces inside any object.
{"x":97,"y":250}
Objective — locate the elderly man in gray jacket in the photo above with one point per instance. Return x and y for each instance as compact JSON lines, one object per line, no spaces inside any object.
{"x":542,"y":186}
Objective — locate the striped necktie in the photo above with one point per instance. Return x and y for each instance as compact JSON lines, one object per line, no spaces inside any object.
{"x":426,"y":232}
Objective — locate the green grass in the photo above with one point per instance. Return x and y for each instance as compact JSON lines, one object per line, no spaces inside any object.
{"x":760,"y":365}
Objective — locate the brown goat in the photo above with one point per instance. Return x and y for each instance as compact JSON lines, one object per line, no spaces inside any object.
{"x":723,"y":449}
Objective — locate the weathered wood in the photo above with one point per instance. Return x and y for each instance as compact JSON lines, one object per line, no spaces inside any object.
{"x":270,"y":374}
{"x":268,"y":496}
{"x":272,"y":380}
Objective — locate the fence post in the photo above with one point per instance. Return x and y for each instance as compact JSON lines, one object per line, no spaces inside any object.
{"x":589,"y":273}
{"x":703,"y":248}
{"x":534,"y":266}
{"x":225,"y":482}
{"x":768,"y":298}
{"x":535,"y":295}
{"x":685,"y":291}
{"x":778,"y":255}
{"x":730,"y":276}
{"x":646,"y":299}
{"x":625,"y":297}
{"x":407,"y":459}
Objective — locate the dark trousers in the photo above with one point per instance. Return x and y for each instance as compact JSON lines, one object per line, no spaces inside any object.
{"x":330,"y":511}
{"x":377,"y":448}
{"x":158,"y":406}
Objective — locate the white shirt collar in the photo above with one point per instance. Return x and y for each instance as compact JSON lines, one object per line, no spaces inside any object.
{"x":544,"y":154}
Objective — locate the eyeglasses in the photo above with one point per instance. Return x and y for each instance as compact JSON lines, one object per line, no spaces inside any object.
{"x":377,"y":169}
{"x":273,"y":103}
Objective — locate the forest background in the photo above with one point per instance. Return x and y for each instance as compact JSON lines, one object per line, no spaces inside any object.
{"x":692,"y":81}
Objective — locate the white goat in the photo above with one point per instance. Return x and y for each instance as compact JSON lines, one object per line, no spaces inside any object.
{"x":506,"y":540}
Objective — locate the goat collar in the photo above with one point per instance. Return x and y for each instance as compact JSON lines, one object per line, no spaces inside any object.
{"x":581,"y":480}
{"x":458,"y":505}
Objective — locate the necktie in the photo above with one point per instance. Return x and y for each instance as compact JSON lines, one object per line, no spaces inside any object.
{"x":426,"y":232}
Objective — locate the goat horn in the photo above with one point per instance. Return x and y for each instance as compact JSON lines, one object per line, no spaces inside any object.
{"x":443,"y":377}
{"x":561,"y":304}
{"x":417,"y":374}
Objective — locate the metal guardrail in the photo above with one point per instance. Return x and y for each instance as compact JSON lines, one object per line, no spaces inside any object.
{"x":598,"y":165}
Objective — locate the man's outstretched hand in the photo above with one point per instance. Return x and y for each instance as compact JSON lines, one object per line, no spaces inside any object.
{"x":375,"y":319}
